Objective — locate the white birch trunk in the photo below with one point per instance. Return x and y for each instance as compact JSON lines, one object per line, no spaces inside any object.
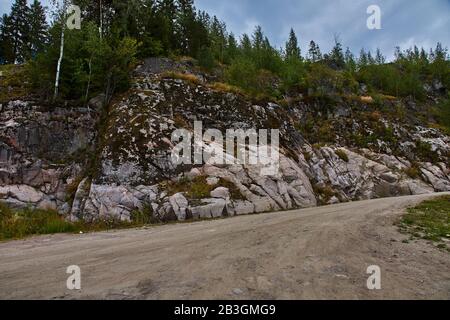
{"x":58,"y":68}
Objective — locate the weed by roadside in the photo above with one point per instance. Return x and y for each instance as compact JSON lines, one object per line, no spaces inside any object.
{"x":18,"y":224}
{"x":430,"y":220}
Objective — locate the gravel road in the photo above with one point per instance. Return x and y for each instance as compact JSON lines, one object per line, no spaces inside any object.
{"x":317,"y":253}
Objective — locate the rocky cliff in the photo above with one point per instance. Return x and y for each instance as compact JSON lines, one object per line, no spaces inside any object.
{"x":115,"y":162}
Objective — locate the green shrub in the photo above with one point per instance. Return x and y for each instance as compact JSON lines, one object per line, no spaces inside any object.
{"x":412,"y":172}
{"x":144,"y":217}
{"x":342,"y":154}
{"x":425,"y":152}
{"x":442,"y":115}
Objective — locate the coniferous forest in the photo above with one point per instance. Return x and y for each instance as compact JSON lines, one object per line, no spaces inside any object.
{"x":115,"y":34}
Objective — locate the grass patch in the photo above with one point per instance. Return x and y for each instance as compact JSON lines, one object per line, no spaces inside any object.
{"x":197,"y":188}
{"x":412,"y":172}
{"x":18,"y":224}
{"x":342,"y":154}
{"x":188,"y":77}
{"x":325,"y":192}
{"x":430,"y":220}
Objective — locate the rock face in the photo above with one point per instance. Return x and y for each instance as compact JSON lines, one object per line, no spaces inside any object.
{"x":46,"y":156}
{"x":38,"y":146}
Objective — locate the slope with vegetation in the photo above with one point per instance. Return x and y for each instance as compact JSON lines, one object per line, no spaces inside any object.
{"x":96,"y":146}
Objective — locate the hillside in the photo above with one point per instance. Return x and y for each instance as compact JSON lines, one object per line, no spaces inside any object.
{"x":114,"y":162}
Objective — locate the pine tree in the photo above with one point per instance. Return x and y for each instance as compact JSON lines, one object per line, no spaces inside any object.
{"x":232,"y":48}
{"x":168,"y":8}
{"x":162,"y":25}
{"x":218,"y":38}
{"x":337,"y":55}
{"x":363,"y":60}
{"x":379,"y":58}
{"x":38,"y":28}
{"x":246,"y":45}
{"x":314,"y":53}
{"x":185,"y":20}
{"x":257,"y":38}
{"x":21,"y":30}
{"x":292,"y":48}
{"x":370,"y":59}
{"x":350,"y":62}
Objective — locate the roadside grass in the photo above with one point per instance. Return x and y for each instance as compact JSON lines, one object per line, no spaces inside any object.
{"x":18,"y":224}
{"x":430,"y":220}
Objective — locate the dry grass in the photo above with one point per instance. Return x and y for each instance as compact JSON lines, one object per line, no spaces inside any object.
{"x":366,"y":99}
{"x":188,"y":77}
{"x":226,"y":88}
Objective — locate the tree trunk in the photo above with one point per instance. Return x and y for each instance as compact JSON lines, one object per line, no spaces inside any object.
{"x":89,"y":81}
{"x":101,"y":21}
{"x":58,"y":68}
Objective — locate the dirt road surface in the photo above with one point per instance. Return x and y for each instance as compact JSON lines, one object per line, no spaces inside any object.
{"x":317,"y":253}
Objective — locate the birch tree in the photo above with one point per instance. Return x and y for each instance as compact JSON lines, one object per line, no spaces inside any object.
{"x":60,"y":13}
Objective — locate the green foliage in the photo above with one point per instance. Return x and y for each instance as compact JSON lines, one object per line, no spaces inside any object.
{"x":442,"y":115}
{"x":17,"y":224}
{"x":342,"y":155}
{"x":425,"y":152}
{"x":322,"y":80}
{"x":144,"y":217}
{"x":430,"y":220}
{"x":142,"y":28}
{"x":196,"y":188}
{"x":292,"y":49}
{"x":91,"y":64}
{"x":38,"y":28}
{"x":206,"y":59}
{"x":293,"y":74}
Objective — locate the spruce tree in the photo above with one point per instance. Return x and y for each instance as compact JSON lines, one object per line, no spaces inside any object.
{"x":292,"y":49}
{"x":258,"y":38}
{"x":379,"y":58}
{"x":337,"y":59}
{"x":246,"y":45}
{"x":38,"y":28}
{"x":350,"y":62}
{"x":6,"y":40}
{"x":218,"y":39}
{"x":363,"y":60}
{"x":184,"y":25}
{"x":21,"y":30}
{"x":232,"y":48}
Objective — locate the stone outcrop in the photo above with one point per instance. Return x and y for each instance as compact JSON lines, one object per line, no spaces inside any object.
{"x":46,"y":156}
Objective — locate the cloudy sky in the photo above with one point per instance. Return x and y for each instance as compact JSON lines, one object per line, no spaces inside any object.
{"x":404,"y":22}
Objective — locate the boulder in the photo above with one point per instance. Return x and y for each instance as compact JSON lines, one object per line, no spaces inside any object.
{"x":180,"y":206}
{"x":221,"y":193}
